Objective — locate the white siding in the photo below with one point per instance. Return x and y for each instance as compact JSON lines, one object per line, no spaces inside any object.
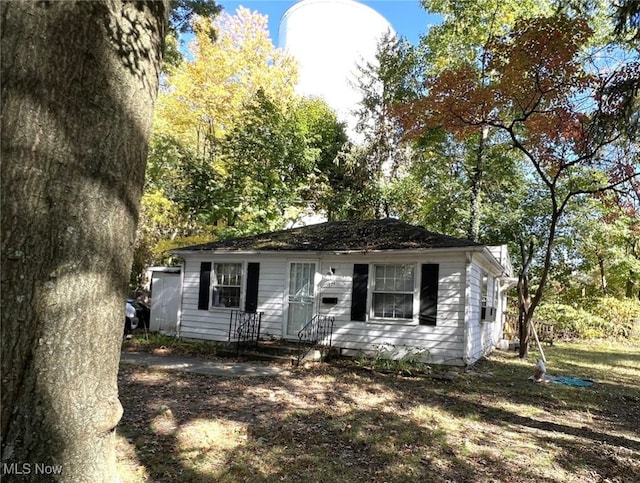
{"x":482,"y":336}
{"x":165,"y":302}
{"x":459,"y":301}
{"x":213,"y":324}
{"x":501,"y":253}
{"x":442,"y":343}
{"x":337,"y":285}
{"x":271,"y":289}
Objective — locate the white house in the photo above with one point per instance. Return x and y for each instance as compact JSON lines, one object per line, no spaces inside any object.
{"x":386,"y":283}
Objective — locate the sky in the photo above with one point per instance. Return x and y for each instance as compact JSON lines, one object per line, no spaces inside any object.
{"x":407,"y":17}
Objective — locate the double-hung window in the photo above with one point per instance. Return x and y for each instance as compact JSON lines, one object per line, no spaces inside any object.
{"x":393,"y":291}
{"x":485,"y":290}
{"x":489,"y":290}
{"x":227,"y":284}
{"x":488,"y":297}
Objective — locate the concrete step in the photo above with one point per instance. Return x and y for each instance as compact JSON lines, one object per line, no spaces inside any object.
{"x":257,"y":355}
{"x":277,"y":351}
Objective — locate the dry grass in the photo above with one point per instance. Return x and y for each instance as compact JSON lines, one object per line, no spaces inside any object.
{"x":337,"y":423}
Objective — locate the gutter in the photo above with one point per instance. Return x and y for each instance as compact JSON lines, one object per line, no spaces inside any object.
{"x":479,"y":248}
{"x":507,"y":282}
{"x":496,"y":263}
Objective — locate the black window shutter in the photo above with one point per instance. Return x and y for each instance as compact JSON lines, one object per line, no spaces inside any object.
{"x":359,"y":292}
{"x":251,"y":297}
{"x":205,"y":285}
{"x":429,"y":294}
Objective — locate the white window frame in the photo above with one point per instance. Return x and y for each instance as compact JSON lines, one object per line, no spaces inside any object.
{"x":215,"y":285}
{"x":371,"y":289}
{"x":487,"y":290}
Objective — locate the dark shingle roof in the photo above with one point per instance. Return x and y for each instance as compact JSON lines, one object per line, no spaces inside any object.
{"x":386,"y":234}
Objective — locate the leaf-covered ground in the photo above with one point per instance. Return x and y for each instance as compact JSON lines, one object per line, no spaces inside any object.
{"x":337,"y":422}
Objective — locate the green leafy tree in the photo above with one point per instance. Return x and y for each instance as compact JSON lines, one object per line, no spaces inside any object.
{"x":391,"y":79}
{"x":627,"y":20}
{"x":608,"y":242}
{"x":203,"y":97}
{"x":234,"y":150}
{"x":267,"y":162}
{"x":355,"y":192}
{"x":178,"y":193}
{"x":327,"y":139}
{"x":460,"y":40}
{"x":182,"y":16}
{"x":545,"y":103}
{"x":468,"y":25}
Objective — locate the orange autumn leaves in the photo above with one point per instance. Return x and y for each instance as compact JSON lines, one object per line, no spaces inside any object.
{"x":530,"y":84}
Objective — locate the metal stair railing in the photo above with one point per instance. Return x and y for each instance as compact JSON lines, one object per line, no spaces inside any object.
{"x":244,"y":329}
{"x":318,"y":332}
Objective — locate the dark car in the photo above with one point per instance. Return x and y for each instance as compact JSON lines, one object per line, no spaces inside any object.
{"x":142,"y":312}
{"x":131,"y":319}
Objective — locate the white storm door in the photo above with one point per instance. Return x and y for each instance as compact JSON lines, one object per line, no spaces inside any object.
{"x":302,"y":296}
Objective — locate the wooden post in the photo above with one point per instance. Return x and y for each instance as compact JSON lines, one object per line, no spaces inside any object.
{"x":535,"y":335}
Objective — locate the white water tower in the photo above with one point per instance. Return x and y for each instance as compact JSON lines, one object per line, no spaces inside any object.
{"x":329,"y":39}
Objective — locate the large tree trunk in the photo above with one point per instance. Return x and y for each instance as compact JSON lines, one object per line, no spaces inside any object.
{"x":475,"y":202}
{"x":473,"y":233}
{"x":525,"y":315}
{"x":603,"y":276}
{"x":79,"y":81}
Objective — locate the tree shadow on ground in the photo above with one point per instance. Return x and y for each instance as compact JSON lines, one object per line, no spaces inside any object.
{"x":333,"y":423}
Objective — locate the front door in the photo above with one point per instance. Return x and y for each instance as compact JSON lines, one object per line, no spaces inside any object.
{"x":302,"y":296}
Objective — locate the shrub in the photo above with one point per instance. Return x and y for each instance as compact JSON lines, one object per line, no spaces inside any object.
{"x":569,"y":321}
{"x":386,"y":357}
{"x":605,"y":317}
{"x":618,"y":313}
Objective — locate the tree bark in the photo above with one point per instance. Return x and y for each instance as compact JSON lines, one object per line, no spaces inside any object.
{"x":525,"y":315}
{"x":475,"y":201}
{"x":603,"y":276}
{"x":79,"y":81}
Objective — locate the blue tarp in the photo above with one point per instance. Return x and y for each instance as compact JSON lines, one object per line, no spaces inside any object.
{"x":570,"y":381}
{"x":565,"y":380}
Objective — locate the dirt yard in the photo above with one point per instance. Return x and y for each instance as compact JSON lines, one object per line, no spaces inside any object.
{"x":342,"y":423}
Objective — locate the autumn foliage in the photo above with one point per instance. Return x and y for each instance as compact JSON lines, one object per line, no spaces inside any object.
{"x":527,"y":83}
{"x":204,"y":97}
{"x":537,"y":90}
{"x":534,"y":87}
